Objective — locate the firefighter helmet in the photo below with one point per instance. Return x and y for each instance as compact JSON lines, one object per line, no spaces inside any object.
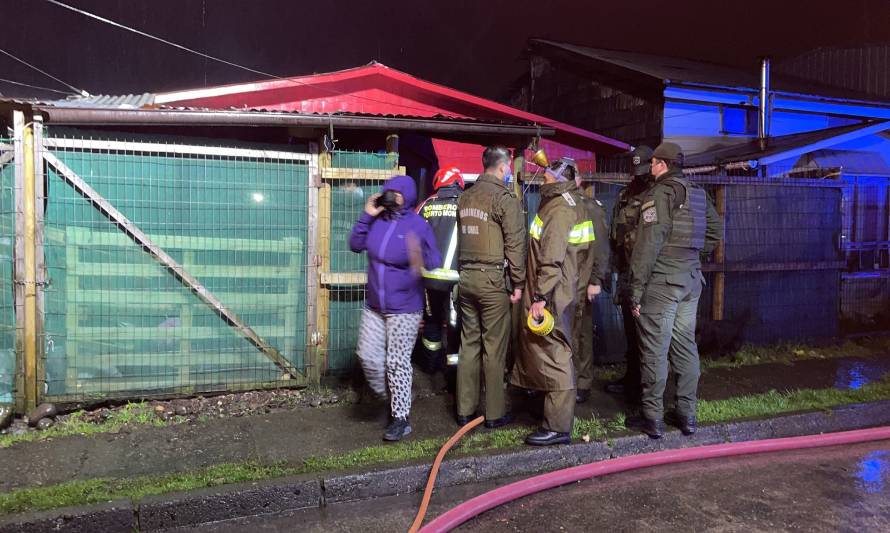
{"x":448,"y":175}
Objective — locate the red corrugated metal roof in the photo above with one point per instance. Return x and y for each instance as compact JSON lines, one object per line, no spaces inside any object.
{"x":378,"y":90}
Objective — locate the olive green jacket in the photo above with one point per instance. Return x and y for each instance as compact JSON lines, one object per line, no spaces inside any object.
{"x":653,"y":231}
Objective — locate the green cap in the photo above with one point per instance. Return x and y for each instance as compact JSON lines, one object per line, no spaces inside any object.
{"x":668,"y":152}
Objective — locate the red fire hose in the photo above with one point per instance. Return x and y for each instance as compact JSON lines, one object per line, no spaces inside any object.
{"x":471,"y":508}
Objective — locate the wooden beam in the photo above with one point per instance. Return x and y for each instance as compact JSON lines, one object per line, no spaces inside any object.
{"x":360,"y":174}
{"x":161,"y":148}
{"x":40,"y":257}
{"x":85,"y":237}
{"x":140,"y":238}
{"x":717,"y":305}
{"x":518,"y":171}
{"x":344,"y":278}
{"x":392,"y":150}
{"x":19,"y":260}
{"x":716,"y":179}
{"x":312,"y":275}
{"x":115,"y":333}
{"x":323,"y":261}
{"x":774,"y":267}
{"x":204,"y":271}
{"x":151,"y":299}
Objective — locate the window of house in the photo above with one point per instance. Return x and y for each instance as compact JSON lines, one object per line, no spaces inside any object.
{"x":738,"y":120}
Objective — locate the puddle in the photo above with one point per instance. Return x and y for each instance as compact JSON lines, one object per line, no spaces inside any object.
{"x":856,"y":374}
{"x":874,"y":470}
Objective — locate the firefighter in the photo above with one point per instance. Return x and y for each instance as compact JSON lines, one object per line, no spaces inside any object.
{"x":440,"y":317}
{"x":593,"y":266}
{"x":492,"y":238}
{"x":559,"y":233}
{"x":625,"y":216}
{"x":677,"y":222}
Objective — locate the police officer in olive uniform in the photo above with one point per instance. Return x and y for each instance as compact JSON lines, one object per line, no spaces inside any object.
{"x":593,"y":265}
{"x":677,"y":222}
{"x":559,"y":233}
{"x":492,"y":237}
{"x":625,"y":216}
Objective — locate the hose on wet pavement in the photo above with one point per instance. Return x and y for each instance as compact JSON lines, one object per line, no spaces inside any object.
{"x":502,"y":495}
{"x":431,"y":482}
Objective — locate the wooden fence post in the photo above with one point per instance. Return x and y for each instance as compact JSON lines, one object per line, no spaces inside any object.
{"x":717,"y":303}
{"x":323,"y":265}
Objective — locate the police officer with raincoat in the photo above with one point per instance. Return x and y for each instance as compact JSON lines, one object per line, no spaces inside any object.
{"x":561,"y":230}
{"x":593,"y":267}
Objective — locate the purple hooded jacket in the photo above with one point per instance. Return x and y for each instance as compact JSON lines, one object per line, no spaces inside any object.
{"x":392,"y":286}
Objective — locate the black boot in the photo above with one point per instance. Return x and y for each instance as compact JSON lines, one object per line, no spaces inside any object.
{"x":397,"y":429}
{"x":545,"y":437}
{"x":686,"y":424}
{"x":499,"y":422}
{"x":615,"y":387}
{"x":653,"y":428}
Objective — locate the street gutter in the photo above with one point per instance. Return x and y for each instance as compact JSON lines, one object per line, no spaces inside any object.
{"x":228,"y":502}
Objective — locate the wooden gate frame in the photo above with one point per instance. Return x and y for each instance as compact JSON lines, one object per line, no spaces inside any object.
{"x":321,"y":277}
{"x":29,"y":156}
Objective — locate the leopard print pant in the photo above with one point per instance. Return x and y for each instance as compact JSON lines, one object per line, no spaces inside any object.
{"x":385,"y":343}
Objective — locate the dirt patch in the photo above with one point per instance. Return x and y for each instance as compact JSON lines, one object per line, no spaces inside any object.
{"x":183,"y":410}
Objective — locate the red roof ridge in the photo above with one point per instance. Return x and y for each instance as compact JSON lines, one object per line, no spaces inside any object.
{"x":376,"y":67}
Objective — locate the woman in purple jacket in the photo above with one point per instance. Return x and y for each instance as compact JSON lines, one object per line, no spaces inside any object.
{"x":399,"y":244}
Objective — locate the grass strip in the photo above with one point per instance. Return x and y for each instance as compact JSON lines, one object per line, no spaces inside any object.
{"x":88,"y":491}
{"x":775,"y":402}
{"x":789,"y":353}
{"x":709,"y":411}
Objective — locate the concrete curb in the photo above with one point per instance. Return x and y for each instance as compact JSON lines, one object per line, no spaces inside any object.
{"x":250,"y":499}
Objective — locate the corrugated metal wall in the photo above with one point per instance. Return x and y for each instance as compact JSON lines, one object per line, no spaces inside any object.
{"x":864,"y":68}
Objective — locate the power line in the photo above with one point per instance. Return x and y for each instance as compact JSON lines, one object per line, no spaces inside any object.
{"x":22,"y":61}
{"x":224,"y":61}
{"x":13,"y":82}
{"x":159,"y":39}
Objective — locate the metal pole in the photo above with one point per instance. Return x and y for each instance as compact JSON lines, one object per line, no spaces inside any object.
{"x":763,"y":123}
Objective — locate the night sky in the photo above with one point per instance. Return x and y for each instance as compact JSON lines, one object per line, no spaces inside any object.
{"x":470,"y":45}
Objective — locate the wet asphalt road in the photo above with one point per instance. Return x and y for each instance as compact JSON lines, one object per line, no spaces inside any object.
{"x":830,"y":489}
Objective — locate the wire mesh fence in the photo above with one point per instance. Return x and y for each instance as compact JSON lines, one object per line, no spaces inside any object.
{"x":222,"y":265}
{"x":351,"y":178}
{"x":7,"y":301}
{"x":229,"y":267}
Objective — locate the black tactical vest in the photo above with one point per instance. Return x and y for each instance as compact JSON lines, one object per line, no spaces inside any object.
{"x":625,"y":224}
{"x":689,"y":218}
